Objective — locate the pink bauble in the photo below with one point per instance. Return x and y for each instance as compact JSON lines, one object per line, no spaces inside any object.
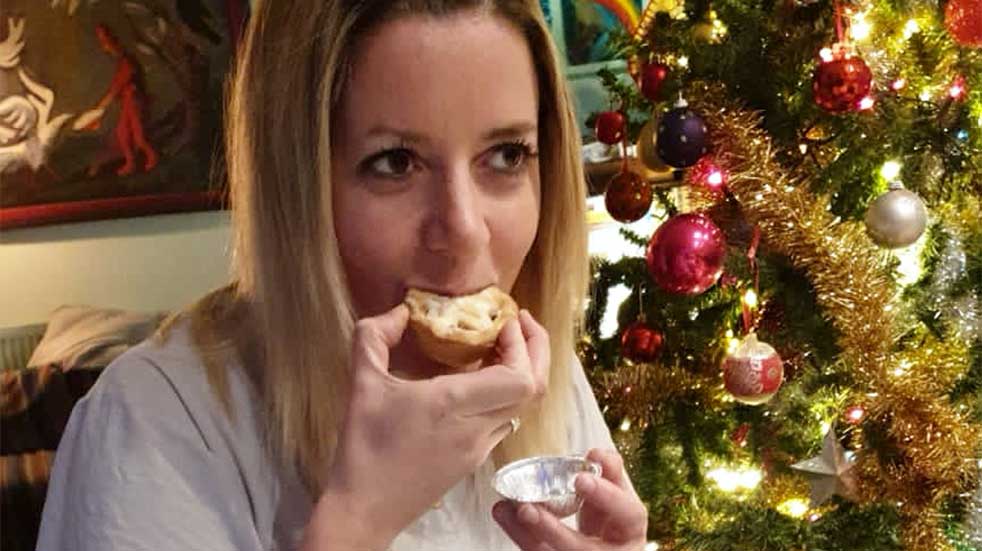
{"x":753,"y":372}
{"x":686,"y":253}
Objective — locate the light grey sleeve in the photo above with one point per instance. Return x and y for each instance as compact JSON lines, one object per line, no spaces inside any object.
{"x":134,"y":471}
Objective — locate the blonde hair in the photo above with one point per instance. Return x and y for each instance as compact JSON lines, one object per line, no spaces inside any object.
{"x":288,"y":318}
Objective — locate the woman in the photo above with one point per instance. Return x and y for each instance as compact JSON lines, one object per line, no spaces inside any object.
{"x":373,"y":146}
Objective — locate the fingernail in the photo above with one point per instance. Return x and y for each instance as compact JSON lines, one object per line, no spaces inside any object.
{"x":528,"y":514}
{"x":585,"y":482}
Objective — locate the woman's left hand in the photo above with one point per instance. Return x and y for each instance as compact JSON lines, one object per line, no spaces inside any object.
{"x":612,"y":517}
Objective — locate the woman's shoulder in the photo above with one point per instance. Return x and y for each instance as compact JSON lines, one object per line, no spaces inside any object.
{"x":164,"y":380}
{"x":154,"y":366}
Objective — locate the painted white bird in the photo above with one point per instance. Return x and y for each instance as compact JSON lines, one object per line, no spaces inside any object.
{"x":26,"y":131}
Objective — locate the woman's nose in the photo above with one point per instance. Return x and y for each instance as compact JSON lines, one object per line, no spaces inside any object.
{"x":456,"y":222}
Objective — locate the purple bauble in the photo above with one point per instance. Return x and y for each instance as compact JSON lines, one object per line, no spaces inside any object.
{"x":681,"y":137}
{"x":686,"y":253}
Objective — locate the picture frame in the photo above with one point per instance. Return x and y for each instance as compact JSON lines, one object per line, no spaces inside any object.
{"x":581,"y":29}
{"x":112,"y":108}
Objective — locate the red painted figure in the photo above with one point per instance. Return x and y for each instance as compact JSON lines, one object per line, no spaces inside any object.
{"x":127,"y":85}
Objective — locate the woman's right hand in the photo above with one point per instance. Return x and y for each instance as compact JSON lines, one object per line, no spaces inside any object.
{"x":405,"y":443}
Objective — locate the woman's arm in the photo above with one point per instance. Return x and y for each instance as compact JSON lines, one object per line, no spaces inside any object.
{"x":133,"y":470}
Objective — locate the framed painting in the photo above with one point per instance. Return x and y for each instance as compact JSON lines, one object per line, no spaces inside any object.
{"x":582,"y":30}
{"x":112,"y":108}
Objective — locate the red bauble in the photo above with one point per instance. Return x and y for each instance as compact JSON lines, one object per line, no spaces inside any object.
{"x":840,"y":85}
{"x":753,"y":372}
{"x":641,"y":343}
{"x":628,"y":197}
{"x":652,"y":78}
{"x":686,"y":253}
{"x":964,"y":21}
{"x":610,"y":127}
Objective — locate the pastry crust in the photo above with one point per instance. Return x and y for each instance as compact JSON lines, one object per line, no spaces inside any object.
{"x":458,"y":331}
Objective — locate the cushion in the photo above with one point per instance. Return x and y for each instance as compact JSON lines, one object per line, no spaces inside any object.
{"x":78,"y":335}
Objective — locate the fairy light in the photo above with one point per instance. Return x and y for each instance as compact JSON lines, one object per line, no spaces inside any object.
{"x":715,"y":178}
{"x":860,"y":28}
{"x":899,"y":84}
{"x":719,"y":28}
{"x":855,"y":414}
{"x":651,"y":546}
{"x":925,"y":95}
{"x":732,"y":480}
{"x":625,"y":425}
{"x":794,"y":507}
{"x":890,"y":170}
{"x":825,"y":54}
{"x":683,"y":61}
{"x":957,"y":88}
{"x":911,"y":28}
{"x":750,"y":298}
{"x":902,"y":368}
{"x":867,"y":103}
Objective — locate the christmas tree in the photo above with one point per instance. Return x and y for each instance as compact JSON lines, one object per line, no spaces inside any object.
{"x":797,"y":359}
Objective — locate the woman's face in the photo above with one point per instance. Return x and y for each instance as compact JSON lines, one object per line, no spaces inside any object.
{"x":434,"y":171}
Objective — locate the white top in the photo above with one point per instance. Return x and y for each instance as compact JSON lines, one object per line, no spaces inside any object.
{"x":149,"y":461}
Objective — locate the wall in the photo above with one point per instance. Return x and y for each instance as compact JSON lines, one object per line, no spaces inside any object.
{"x":147,"y":264}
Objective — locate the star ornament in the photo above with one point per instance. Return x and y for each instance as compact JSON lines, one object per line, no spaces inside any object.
{"x":829,"y":473}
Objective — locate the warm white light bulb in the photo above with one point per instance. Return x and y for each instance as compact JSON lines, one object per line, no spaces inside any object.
{"x":911,"y":28}
{"x":890,"y":170}
{"x":860,"y":28}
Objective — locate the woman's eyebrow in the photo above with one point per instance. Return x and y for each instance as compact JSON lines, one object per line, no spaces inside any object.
{"x":500,"y":133}
{"x":404,"y":135}
{"x":510,"y":131}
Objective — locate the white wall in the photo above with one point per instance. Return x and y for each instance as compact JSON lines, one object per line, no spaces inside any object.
{"x":148,"y":264}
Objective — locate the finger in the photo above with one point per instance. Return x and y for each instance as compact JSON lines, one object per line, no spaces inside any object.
{"x":593,"y":519}
{"x":511,"y":345}
{"x":506,"y":516}
{"x":374,"y":336}
{"x":543,"y":526}
{"x":625,"y":517}
{"x":488,"y":390}
{"x":537,"y":343}
{"x":611,"y":466}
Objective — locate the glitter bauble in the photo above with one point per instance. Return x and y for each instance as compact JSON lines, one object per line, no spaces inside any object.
{"x":841,"y":84}
{"x":686,"y":254}
{"x":628,"y":197}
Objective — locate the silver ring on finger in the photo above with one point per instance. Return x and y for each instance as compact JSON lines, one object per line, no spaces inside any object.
{"x":516,"y":423}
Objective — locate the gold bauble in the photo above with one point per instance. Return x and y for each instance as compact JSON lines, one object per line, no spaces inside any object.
{"x":648,"y":149}
{"x":703,"y":31}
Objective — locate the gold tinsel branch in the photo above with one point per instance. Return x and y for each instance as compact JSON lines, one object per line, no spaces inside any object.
{"x":925,"y":458}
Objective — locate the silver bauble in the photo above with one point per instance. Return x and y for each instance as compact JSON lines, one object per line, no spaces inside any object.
{"x":896,"y":218}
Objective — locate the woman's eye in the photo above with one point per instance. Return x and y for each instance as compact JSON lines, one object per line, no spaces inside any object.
{"x":509,"y":157}
{"x":394,"y":163}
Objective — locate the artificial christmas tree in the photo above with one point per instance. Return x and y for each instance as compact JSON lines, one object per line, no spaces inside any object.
{"x":878,"y":335}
